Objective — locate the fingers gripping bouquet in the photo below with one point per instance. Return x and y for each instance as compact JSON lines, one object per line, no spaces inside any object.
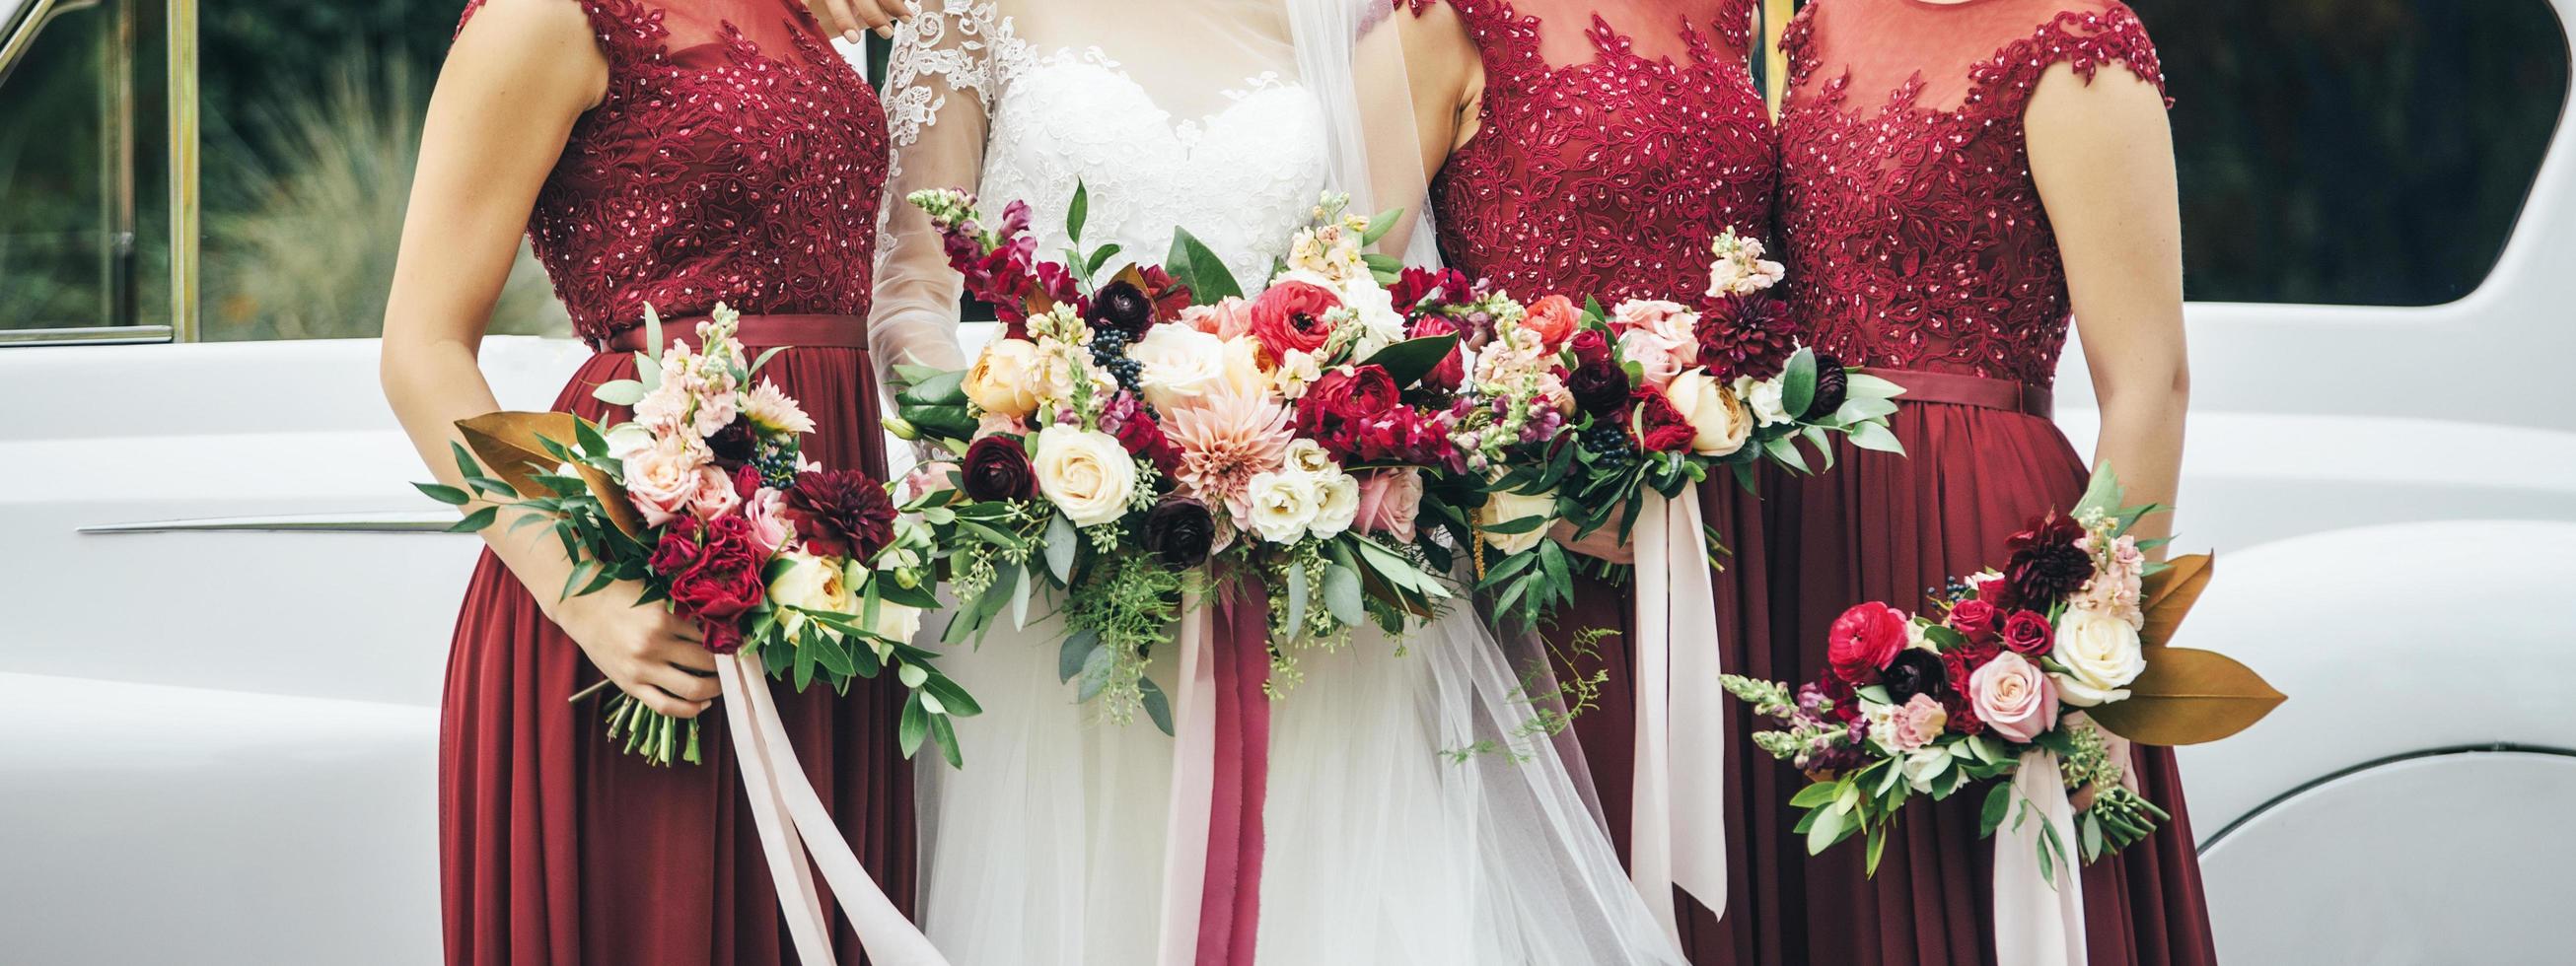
{"x":706,"y":499}
{"x":1124,"y":432}
{"x":1574,"y":413}
{"x":2065,"y":644}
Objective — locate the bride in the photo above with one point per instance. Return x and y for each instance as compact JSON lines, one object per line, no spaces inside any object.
{"x":1388,"y":839}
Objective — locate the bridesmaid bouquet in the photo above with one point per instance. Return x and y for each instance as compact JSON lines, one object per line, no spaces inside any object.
{"x":1125,"y":431}
{"x":2065,"y":643}
{"x":1574,"y":413}
{"x":706,"y":499}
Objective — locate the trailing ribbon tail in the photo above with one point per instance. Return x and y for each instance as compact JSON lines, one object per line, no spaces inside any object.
{"x":1675,"y":837}
{"x":2038,"y":923}
{"x":792,"y":821}
{"x":1220,"y":781}
{"x":1185,"y":847}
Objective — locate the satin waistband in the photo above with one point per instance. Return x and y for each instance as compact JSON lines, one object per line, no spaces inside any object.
{"x":1959,"y":389}
{"x":802,"y":331}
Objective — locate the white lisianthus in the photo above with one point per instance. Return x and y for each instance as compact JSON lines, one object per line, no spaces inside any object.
{"x":1341,"y":503}
{"x":2102,"y":655}
{"x":1764,"y":398}
{"x":1284,"y":505}
{"x":1502,"y":508}
{"x":808,"y":582}
{"x":1307,"y":456}
{"x":895,"y":622}
{"x":1182,"y":365}
{"x":1085,"y":473}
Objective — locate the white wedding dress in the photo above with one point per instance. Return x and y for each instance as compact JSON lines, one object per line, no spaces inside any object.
{"x":1228,"y":118}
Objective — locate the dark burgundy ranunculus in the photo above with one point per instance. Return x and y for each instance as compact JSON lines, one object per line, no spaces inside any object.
{"x":1168,"y":294}
{"x":1122,"y":306}
{"x":1289,"y":316}
{"x":1344,"y":395}
{"x":725,"y":579}
{"x":997,"y":468}
{"x":1591,"y":347}
{"x":2028,"y":634}
{"x":1599,"y":387}
{"x":1975,"y":618}
{"x":2046,"y":565}
{"x":841,"y":513}
{"x":1833,"y":386}
{"x":1451,"y":373}
{"x":1864,"y":640}
{"x":1913,"y":671}
{"x":735,"y":443}
{"x":1179,"y":531}
{"x":1656,"y":425}
{"x":1748,"y":336}
{"x":1143,"y":437}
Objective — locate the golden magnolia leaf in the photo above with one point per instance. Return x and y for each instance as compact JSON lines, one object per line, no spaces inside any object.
{"x":506,"y":443}
{"x":2167,"y":597}
{"x":2187,"y":697}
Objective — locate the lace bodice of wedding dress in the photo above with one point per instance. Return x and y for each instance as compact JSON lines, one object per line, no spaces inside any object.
{"x":1169,"y":115}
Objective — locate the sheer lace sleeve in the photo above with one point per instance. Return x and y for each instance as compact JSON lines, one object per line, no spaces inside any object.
{"x":940,"y":85}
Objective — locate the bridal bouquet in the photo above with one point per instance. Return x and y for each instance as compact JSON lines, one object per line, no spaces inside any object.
{"x":1574,"y":413}
{"x":2064,"y":643}
{"x":705,"y":498}
{"x":1125,"y":431}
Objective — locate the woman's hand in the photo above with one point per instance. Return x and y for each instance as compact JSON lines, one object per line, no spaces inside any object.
{"x":648,"y":652}
{"x":849,"y":17}
{"x":1602,"y":543}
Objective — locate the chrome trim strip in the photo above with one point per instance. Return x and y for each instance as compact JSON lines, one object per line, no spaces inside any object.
{"x":29,"y":19}
{"x":427,"y":521}
{"x":2284,"y":798}
{"x":98,"y":335}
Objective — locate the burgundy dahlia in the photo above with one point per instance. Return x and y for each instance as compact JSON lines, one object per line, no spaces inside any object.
{"x":1748,"y":336}
{"x":841,"y":513}
{"x":2046,"y":565}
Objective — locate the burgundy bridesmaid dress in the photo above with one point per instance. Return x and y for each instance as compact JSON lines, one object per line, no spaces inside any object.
{"x":1615,"y":141}
{"x":736,"y":158}
{"x":1916,"y":241}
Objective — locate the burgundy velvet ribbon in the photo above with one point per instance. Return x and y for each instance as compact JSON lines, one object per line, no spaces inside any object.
{"x":1230,"y":909}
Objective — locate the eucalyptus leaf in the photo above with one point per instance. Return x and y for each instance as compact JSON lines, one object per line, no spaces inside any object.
{"x":1095,"y":672}
{"x":1342,"y":595}
{"x":1062,"y":542}
{"x":619,"y":392}
{"x":1074,"y":652}
{"x":1296,"y":621}
{"x":1158,"y":705}
{"x":1872,"y":436}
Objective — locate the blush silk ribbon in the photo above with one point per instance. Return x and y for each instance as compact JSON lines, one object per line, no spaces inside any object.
{"x":1220,"y":780}
{"x":792,"y":819}
{"x":2036,"y":923}
{"x":1675,"y":838}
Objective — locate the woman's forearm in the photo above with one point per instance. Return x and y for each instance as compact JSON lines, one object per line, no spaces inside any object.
{"x":2142,"y":434}
{"x":431,"y":386}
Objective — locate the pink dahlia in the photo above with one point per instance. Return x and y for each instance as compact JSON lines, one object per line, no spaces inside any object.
{"x":1223,"y":442}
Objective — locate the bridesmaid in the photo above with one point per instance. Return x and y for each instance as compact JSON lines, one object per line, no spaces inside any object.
{"x":1961,"y":179}
{"x":671,"y":155}
{"x":1598,"y":147}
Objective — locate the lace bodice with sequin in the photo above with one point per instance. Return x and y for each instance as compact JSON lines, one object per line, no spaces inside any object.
{"x":1913,"y":233}
{"x":736,"y":157}
{"x":1613,"y":143}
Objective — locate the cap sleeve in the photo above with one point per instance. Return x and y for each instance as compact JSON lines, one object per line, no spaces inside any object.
{"x":2086,"y":38}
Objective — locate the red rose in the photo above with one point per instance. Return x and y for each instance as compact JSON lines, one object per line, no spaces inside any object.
{"x":724,"y":581}
{"x":1290,"y":315}
{"x":1963,"y":714}
{"x":1864,"y":640}
{"x":2028,"y":633}
{"x":1658,"y":427}
{"x":1143,"y":437}
{"x":746,"y":481}
{"x":1452,"y":371}
{"x":1553,"y":319}
{"x":1974,"y":618}
{"x":1960,"y":662}
{"x":1591,"y":347}
{"x":1343,"y":396}
{"x":722,"y":637}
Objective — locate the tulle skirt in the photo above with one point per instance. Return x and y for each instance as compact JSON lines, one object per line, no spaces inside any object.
{"x":1884,"y":527}
{"x":556,"y":848}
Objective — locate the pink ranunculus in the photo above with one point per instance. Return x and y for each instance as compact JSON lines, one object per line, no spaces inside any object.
{"x":769,"y":526}
{"x":1389,"y":502}
{"x":1226,"y":319}
{"x":662,"y":479}
{"x":2014,"y":697}
{"x":715,"y":495}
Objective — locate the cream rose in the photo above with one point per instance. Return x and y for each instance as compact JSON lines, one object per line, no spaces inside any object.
{"x":1307,"y":456}
{"x":1714,"y":413}
{"x":1244,"y":374}
{"x":1085,"y":473}
{"x":1502,"y":508}
{"x":662,"y":478}
{"x":1004,"y":378}
{"x":1284,"y":505}
{"x":1764,"y":398}
{"x":2102,"y":654}
{"x":1182,"y":365}
{"x":1341,"y":504}
{"x":808,"y":582}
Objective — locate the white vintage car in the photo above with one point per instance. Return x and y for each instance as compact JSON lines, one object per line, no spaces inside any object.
{"x":224,"y":616}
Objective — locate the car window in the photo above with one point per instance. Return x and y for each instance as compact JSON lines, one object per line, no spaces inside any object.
{"x":77,"y":241}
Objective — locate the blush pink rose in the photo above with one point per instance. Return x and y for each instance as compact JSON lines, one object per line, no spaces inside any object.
{"x":1389,"y":502}
{"x":715,"y":495}
{"x":2014,"y":697}
{"x":1658,"y":337}
{"x":661,"y":479}
{"x":769,"y":529}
